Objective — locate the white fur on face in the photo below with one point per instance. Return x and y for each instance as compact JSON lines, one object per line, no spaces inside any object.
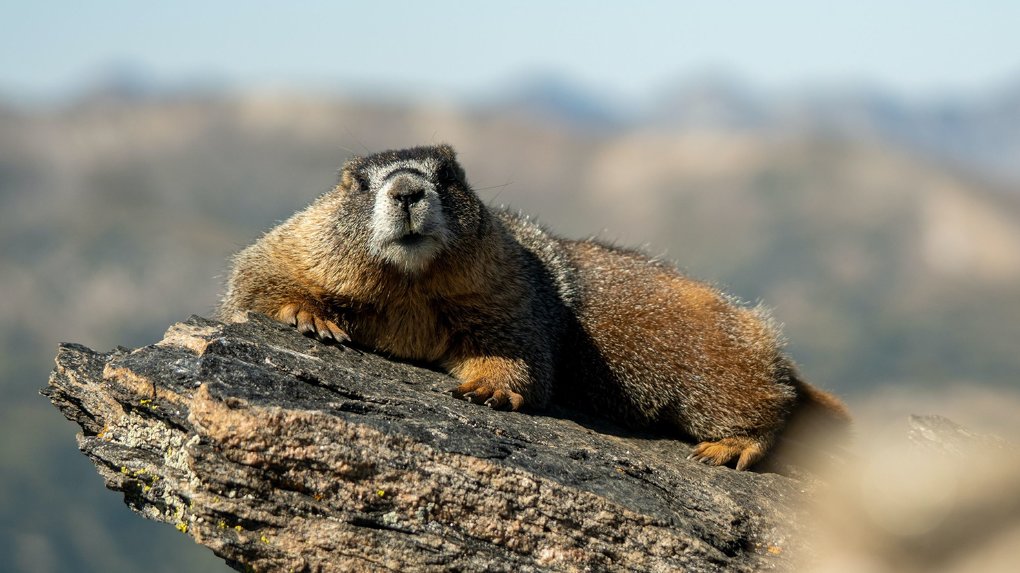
{"x":408,"y":238}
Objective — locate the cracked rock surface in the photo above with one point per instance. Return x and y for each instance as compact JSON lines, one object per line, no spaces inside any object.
{"x":281,"y":453}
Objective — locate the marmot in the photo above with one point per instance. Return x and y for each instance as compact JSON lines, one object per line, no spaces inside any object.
{"x":402,"y":257}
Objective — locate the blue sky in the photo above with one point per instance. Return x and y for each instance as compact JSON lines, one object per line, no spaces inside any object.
{"x":456,"y":48}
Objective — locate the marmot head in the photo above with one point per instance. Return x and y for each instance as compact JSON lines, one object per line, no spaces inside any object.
{"x":409,"y":206}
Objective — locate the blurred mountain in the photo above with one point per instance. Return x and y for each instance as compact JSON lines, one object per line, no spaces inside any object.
{"x":552,"y":98}
{"x":710,"y":101}
{"x":979,"y":133}
{"x":885,"y":233}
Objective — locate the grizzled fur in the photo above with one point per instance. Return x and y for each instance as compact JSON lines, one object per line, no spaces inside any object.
{"x":403,"y":258}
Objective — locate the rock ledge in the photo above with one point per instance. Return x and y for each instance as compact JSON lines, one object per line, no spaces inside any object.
{"x":281,"y":453}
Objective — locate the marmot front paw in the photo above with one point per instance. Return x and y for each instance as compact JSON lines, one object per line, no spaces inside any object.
{"x":309,"y":323}
{"x":484,"y":392}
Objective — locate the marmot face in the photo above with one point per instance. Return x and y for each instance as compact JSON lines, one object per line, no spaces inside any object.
{"x":419,"y":204}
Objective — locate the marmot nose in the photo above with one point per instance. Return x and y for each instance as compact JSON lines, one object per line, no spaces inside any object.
{"x":406,"y":192}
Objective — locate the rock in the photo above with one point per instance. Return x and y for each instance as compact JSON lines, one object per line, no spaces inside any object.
{"x":935,"y":498}
{"x":282,"y":453}
{"x":942,"y":435}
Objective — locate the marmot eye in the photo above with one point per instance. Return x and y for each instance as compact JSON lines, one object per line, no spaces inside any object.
{"x":448,"y":173}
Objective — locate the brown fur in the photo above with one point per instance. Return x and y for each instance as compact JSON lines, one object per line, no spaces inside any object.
{"x":518,"y":315}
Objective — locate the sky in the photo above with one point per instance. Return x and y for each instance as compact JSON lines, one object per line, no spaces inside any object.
{"x":458,"y":48}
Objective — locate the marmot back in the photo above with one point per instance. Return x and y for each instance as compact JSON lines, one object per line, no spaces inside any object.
{"x":403,"y":258}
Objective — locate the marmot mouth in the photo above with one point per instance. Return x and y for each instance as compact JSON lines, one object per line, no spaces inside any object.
{"x":411,"y":239}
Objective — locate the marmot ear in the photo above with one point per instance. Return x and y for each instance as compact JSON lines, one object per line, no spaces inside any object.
{"x":350,"y":178}
{"x":451,"y":171}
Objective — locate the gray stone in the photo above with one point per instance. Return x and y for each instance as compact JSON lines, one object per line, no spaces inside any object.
{"x":282,"y":453}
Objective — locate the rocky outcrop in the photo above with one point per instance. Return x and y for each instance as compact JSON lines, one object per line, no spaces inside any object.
{"x":281,"y":453}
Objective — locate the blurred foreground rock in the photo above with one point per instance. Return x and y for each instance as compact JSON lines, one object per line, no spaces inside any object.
{"x":936,"y":498}
{"x":281,"y":453}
